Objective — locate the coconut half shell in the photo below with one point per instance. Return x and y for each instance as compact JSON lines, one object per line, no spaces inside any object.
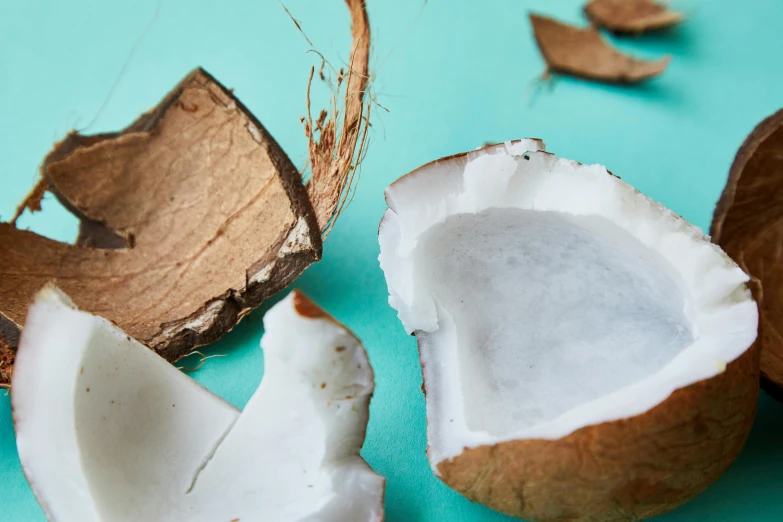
{"x":587,"y":354}
{"x":748,"y":225}
{"x":631,"y":16}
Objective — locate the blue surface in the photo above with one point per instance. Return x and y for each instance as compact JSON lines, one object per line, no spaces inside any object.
{"x":460,"y":74}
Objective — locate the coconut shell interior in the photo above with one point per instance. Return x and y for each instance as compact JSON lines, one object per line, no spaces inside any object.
{"x":190,"y":218}
{"x":748,"y":225}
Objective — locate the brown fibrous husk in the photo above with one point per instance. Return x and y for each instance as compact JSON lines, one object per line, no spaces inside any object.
{"x":631,"y":16}
{"x":337,"y":141}
{"x":585,"y":54}
{"x":189,"y":218}
{"x":748,"y":226}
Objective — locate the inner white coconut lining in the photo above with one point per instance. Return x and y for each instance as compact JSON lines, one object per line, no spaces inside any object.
{"x":721,"y":312}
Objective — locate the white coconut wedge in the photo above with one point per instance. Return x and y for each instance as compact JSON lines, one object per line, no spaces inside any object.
{"x":109,"y":431}
{"x":587,"y":354}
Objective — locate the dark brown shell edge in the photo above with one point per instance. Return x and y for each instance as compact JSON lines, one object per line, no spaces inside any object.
{"x":771,"y":377}
{"x":174,"y":339}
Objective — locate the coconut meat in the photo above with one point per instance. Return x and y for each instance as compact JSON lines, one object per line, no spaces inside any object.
{"x":109,"y":431}
{"x":549,"y":295}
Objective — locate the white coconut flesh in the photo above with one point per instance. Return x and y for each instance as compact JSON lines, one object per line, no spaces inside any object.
{"x":109,"y":431}
{"x":549,"y":295}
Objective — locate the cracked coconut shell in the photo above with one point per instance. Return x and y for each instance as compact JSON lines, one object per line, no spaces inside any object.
{"x":748,"y":225}
{"x":190,"y":217}
{"x":560,"y":385}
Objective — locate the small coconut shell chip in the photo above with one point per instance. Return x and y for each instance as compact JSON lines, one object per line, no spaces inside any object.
{"x":190,"y":217}
{"x":631,"y":16}
{"x":583,"y":53}
{"x":748,"y":225}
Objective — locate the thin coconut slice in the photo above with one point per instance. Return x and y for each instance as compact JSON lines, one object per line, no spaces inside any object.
{"x":109,"y":431}
{"x":587,"y":354}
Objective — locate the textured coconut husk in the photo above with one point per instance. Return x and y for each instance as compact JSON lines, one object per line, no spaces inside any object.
{"x":190,"y":217}
{"x":628,"y":469}
{"x":585,"y":54}
{"x":631,"y":16}
{"x":748,"y":225}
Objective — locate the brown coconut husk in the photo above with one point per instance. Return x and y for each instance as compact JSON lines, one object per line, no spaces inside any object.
{"x":748,"y":225}
{"x":190,"y":217}
{"x":629,"y":469}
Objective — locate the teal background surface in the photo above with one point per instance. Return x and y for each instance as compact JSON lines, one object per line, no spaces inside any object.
{"x":453,"y":75}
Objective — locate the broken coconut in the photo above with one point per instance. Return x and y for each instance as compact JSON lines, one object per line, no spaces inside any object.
{"x":108,"y":430}
{"x":748,"y":225}
{"x":584,"y":54}
{"x":190,"y":217}
{"x":586,"y":353}
{"x":631,"y":16}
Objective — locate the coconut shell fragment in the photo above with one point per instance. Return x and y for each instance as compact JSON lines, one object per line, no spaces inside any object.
{"x":585,"y":54}
{"x":190,"y":217}
{"x":631,"y":16}
{"x":748,"y":225}
{"x":211,"y":215}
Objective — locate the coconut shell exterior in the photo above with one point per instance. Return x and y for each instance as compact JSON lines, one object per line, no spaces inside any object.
{"x":585,"y":54}
{"x":631,"y":16}
{"x":624,"y":470}
{"x":748,"y":226}
{"x":190,"y":218}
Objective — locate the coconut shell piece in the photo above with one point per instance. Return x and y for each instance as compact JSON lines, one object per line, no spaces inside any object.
{"x":748,"y":225}
{"x":584,"y":54}
{"x":631,"y":16}
{"x":700,"y":428}
{"x":190,"y":218}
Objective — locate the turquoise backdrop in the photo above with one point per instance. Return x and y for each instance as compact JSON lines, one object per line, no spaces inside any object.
{"x":453,"y":75}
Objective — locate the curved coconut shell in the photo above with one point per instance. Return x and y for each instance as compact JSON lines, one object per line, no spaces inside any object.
{"x":584,"y":54}
{"x":624,"y":470}
{"x":631,"y":16}
{"x":190,"y":217}
{"x":748,"y":225}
